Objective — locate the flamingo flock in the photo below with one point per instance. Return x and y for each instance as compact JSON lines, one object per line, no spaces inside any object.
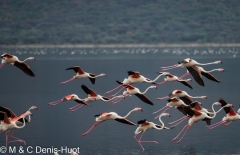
{"x":191,"y":109}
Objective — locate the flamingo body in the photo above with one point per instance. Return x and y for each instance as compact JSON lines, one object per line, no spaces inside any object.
{"x":112,"y":116}
{"x":81,"y":74}
{"x":145,"y":125}
{"x":11,"y":59}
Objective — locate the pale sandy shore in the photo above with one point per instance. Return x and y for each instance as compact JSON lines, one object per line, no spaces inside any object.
{"x":122,"y":45}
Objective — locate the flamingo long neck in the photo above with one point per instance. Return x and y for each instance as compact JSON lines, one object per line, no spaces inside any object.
{"x":146,"y":90}
{"x":161,"y":123}
{"x":96,"y":75}
{"x":29,"y":118}
{"x":128,"y":114}
{"x":157,"y":78}
{"x":24,"y":123}
{"x":214,"y":112}
{"x":213,"y":70}
{"x":206,"y":63}
{"x":196,"y":96}
{"x":30,"y":58}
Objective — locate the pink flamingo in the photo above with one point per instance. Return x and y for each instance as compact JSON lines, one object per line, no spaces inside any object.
{"x":12,"y":59}
{"x":92,"y":96}
{"x":7,"y":124}
{"x":112,"y":116}
{"x":172,"y":78}
{"x":188,"y":63}
{"x":81,"y":74}
{"x":183,"y":95}
{"x":205,"y":73}
{"x":145,"y":125}
{"x":11,"y":115}
{"x":73,"y":97}
{"x":131,"y":90}
{"x":172,"y":102}
{"x":231,"y":115}
{"x":192,"y":106}
{"x":195,"y":117}
{"x":134,"y":77}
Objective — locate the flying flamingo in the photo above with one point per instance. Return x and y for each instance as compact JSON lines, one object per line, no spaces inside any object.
{"x":145,"y":125}
{"x":11,"y":115}
{"x":188,"y":63}
{"x":81,"y":74}
{"x":183,"y":95}
{"x":197,"y":107}
{"x":172,"y":102}
{"x":73,"y":97}
{"x":134,"y":77}
{"x":131,"y":90}
{"x":195,"y":117}
{"x":205,"y":73}
{"x":231,"y":115}
{"x":178,"y":104}
{"x":112,"y":116}
{"x":8,"y":58}
{"x":7,"y":124}
{"x":92,"y":96}
{"x":189,"y":107}
{"x":172,"y":78}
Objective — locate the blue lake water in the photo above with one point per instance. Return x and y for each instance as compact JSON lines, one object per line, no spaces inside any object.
{"x":56,"y":127}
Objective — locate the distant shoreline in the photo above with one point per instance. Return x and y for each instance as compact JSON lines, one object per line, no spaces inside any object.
{"x":123,"y":45}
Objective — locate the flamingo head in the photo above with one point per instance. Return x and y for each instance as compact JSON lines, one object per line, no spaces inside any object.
{"x":33,"y":107}
{"x":153,"y":87}
{"x":164,"y":73}
{"x":137,"y":109}
{"x":31,"y":58}
{"x":102,"y":74}
{"x":204,"y":97}
{"x":217,"y":103}
{"x":218,"y":62}
{"x":165,"y":114}
{"x":221,"y":69}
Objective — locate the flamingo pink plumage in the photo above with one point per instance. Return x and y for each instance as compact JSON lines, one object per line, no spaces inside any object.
{"x":8,"y":124}
{"x":112,"y":116}
{"x":188,"y":63}
{"x":12,"y":59}
{"x":231,"y":115}
{"x":172,"y":78}
{"x":81,"y":74}
{"x":145,"y":125}
{"x":134,"y":77}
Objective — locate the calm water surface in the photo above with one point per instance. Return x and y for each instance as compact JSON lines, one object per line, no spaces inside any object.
{"x":56,"y":127}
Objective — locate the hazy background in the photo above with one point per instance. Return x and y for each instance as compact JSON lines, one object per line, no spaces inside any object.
{"x":114,"y":21}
